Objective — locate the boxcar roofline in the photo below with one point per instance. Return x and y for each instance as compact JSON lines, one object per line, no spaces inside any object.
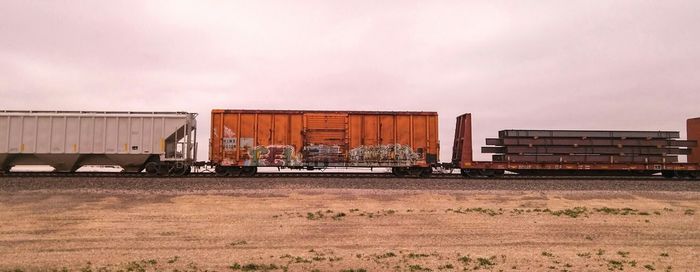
{"x":322,"y":111}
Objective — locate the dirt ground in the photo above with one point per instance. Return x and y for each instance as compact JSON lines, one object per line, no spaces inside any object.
{"x":349,"y":230}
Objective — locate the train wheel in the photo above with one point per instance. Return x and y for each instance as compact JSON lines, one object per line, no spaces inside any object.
{"x":668,"y":174}
{"x":399,"y":171}
{"x":249,"y":171}
{"x":685,"y":175}
{"x":221,"y":171}
{"x":470,"y":173}
{"x":416,"y":171}
{"x":426,"y":172}
{"x":486,"y":173}
{"x":152,"y":168}
{"x":178,"y":169}
{"x":491,"y":173}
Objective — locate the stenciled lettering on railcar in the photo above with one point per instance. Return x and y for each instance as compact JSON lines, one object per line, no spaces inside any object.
{"x":229,"y":139}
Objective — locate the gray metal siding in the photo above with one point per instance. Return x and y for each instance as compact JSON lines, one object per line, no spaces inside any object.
{"x":86,"y":134}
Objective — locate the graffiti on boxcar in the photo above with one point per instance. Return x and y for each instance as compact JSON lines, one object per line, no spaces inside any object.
{"x":323,"y":153}
{"x":383,"y":153}
{"x":272,"y":155}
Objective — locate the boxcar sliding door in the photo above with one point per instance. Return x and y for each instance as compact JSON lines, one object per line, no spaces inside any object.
{"x":325,"y":139}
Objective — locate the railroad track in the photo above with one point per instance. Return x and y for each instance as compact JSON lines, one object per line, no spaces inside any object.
{"x":211,"y":175}
{"x":354,"y":175}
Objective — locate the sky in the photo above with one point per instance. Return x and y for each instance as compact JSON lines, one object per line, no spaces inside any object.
{"x":625,"y":65}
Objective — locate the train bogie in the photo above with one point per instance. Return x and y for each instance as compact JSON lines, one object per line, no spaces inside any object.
{"x":158,"y":142}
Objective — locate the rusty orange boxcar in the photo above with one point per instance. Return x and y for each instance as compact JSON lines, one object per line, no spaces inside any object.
{"x":242,"y":140}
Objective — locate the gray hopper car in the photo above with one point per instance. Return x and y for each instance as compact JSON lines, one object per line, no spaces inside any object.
{"x":159,"y":142}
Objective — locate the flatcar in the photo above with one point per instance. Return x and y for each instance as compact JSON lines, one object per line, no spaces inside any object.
{"x":582,"y":153}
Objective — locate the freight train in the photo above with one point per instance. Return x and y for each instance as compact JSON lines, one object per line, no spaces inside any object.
{"x":165,"y":143}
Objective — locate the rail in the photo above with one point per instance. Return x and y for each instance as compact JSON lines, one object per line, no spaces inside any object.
{"x":320,"y":175}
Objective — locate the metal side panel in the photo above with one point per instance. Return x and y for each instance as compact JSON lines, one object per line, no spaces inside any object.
{"x":310,"y":138}
{"x":4,"y":134}
{"x":111,"y":135}
{"x":15,"y":139}
{"x":603,"y":159}
{"x":589,"y":134}
{"x":462,"y":151}
{"x":72,"y":136}
{"x":325,"y":136}
{"x":693,"y":127}
{"x":43,"y":136}
{"x":589,"y":142}
{"x":613,"y":150}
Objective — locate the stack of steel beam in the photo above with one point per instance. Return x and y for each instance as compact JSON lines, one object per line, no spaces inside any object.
{"x":587,"y":146}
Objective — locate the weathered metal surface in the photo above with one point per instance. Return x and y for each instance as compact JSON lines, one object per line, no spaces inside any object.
{"x":590,"y":142}
{"x":493,"y":149}
{"x":648,"y":164}
{"x":462,"y":150}
{"x":69,"y":140}
{"x":584,"y":159}
{"x":323,"y":138}
{"x":585,"y":150}
{"x":589,"y":134}
{"x":693,"y":126}
{"x":515,"y":166}
{"x":297,"y":112}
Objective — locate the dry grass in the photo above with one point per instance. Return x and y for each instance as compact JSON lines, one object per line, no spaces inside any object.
{"x":349,"y":230}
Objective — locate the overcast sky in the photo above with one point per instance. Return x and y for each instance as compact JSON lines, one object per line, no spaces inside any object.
{"x":512,"y":64}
